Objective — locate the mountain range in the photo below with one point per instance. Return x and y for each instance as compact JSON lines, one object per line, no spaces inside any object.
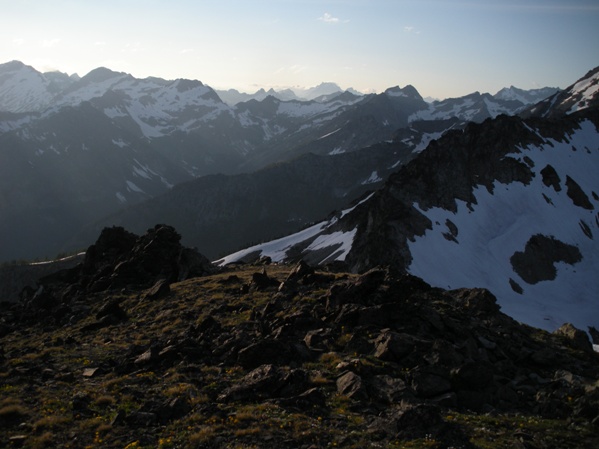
{"x":320,"y":93}
{"x":470,"y":191}
{"x":75,"y":150}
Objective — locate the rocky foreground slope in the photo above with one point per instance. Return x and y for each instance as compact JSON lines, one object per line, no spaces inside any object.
{"x":146,"y":344}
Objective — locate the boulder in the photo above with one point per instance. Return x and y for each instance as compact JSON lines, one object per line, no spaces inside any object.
{"x":261,"y":281}
{"x":393,"y":346}
{"x":357,"y":292}
{"x":265,"y":382}
{"x":576,"y":338}
{"x":387,"y":389}
{"x":478,"y":301}
{"x":264,"y":351}
{"x":351,"y":385}
{"x":430,"y":381}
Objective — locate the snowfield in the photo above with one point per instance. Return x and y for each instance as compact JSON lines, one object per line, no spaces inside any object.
{"x":502,"y":222}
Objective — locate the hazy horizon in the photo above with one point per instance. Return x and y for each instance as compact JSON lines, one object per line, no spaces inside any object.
{"x":443,"y":48}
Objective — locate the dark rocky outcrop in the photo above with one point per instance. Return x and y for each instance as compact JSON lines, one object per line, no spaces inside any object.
{"x":536,"y":262}
{"x":551,"y":178}
{"x":118,"y":260}
{"x":577,"y":195}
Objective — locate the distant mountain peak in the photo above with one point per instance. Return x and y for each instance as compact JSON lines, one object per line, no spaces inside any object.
{"x":184,"y":85}
{"x":324,"y":88}
{"x":530,"y":96}
{"x":12,"y":65}
{"x":408,"y":91}
{"x":101,"y":74}
{"x":327,"y":84}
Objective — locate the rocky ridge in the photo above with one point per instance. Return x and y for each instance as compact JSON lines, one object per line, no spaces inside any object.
{"x":145,"y":344}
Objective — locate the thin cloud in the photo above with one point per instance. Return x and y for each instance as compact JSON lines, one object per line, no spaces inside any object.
{"x":329,"y":18}
{"x":49,"y":43}
{"x":411,"y":30}
{"x":131,"y":47}
{"x":18,"y":41}
{"x":185,"y":51}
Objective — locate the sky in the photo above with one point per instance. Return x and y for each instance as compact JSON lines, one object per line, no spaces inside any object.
{"x":444,"y":48}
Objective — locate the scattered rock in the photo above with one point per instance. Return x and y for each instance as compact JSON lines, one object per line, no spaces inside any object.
{"x":396,"y":352}
{"x":261,"y":280}
{"x":159,"y":289}
{"x":90,"y":372}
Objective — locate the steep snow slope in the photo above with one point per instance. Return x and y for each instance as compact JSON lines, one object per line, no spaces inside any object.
{"x":583,"y":92}
{"x":581,"y":95}
{"x":22,"y":88}
{"x":489,"y":232}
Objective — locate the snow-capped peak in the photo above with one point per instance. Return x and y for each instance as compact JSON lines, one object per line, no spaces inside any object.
{"x":22,"y":88}
{"x":585,"y":90}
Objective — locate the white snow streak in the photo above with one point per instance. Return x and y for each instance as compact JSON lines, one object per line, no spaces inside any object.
{"x":275,"y":249}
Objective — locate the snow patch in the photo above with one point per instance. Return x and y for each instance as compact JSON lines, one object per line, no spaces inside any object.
{"x":133,"y":188}
{"x":425,"y":140}
{"x":347,"y":211}
{"x":396,"y":93}
{"x":140,"y":172}
{"x":342,"y":239}
{"x":275,"y":249}
{"x":329,"y":134}
{"x":114,"y":112}
{"x":120,"y":143}
{"x":374,"y":177}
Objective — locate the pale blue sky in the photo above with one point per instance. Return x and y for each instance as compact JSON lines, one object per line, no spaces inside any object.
{"x":444,"y":48}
